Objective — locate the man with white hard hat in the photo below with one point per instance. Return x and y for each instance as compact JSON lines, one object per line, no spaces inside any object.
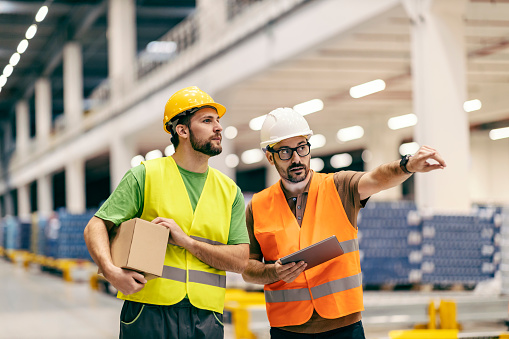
{"x":304,"y":208}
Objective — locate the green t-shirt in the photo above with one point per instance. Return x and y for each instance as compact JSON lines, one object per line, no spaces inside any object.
{"x":126,"y":202}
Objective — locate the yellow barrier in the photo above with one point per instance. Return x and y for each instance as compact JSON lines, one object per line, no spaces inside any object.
{"x":424,"y":334}
{"x":447,"y":317}
{"x":238,"y":302}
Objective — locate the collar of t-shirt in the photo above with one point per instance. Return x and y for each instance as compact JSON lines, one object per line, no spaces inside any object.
{"x":194,"y":183}
{"x":297,"y":203}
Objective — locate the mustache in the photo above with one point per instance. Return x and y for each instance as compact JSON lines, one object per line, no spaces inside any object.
{"x":295,"y":165}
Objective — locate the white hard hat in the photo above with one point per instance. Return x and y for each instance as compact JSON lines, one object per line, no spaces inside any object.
{"x":283,"y":123}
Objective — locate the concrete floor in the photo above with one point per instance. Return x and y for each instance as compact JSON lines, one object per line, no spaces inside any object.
{"x":35,"y":304}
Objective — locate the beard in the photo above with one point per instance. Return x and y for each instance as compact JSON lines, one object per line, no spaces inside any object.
{"x":290,"y":175}
{"x":204,"y":146}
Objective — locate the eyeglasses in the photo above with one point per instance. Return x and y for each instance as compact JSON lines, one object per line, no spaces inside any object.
{"x":286,"y":153}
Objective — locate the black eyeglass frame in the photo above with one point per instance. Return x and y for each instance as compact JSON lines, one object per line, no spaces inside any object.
{"x":293,"y":149}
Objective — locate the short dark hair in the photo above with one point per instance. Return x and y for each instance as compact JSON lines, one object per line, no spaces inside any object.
{"x":183,"y":118}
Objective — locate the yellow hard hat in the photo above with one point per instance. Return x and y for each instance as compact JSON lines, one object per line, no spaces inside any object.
{"x":187,"y":98}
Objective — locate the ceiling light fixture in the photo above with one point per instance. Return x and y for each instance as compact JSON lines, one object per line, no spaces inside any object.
{"x":41,"y":13}
{"x":368,"y":88}
{"x":31,"y":31}
{"x":230,"y":132}
{"x":256,"y":123}
{"x":8,"y":70}
{"x":13,"y":61}
{"x":309,"y":107}
{"x":316,"y":164}
{"x":350,"y":133}
{"x":408,"y":148}
{"x":341,"y":160}
{"x":317,"y":141}
{"x":22,"y":47}
{"x":472,"y":105}
{"x":499,"y":133}
{"x":402,"y":121}
{"x":252,"y":156}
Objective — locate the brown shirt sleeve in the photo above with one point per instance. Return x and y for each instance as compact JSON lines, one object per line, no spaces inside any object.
{"x":347,"y":183}
{"x":255,"y":251}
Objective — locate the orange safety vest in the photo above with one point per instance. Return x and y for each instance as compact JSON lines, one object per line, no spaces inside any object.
{"x":334,"y":288}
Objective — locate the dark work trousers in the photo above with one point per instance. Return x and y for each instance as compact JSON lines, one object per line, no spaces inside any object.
{"x":354,"y":331}
{"x":179,"y":321}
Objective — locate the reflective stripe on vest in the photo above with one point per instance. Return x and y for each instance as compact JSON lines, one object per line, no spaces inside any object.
{"x":184,"y":274}
{"x":206,"y":278}
{"x":300,"y":294}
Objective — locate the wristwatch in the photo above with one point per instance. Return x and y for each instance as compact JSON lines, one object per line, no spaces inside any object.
{"x":403,"y":162}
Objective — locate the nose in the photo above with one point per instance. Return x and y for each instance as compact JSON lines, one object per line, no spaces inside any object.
{"x":295,"y":156}
{"x":218,"y":127}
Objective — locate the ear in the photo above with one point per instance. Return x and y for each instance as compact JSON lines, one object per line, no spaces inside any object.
{"x":182,"y":131}
{"x":270,"y":157}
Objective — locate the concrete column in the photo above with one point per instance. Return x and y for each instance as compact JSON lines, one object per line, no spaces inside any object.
{"x":121,"y":46}
{"x":24,"y":202}
{"x":383,"y":146}
{"x":8,"y":203}
{"x":22,"y":127}
{"x":209,"y":29}
{"x":43,"y":110}
{"x":73,"y":85}
{"x":122,"y":150}
{"x":44,"y":196}
{"x":272,"y":176}
{"x":75,"y":186}
{"x":439,"y":91}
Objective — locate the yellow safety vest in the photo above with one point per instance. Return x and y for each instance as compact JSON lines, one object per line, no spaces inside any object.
{"x":184,"y":274}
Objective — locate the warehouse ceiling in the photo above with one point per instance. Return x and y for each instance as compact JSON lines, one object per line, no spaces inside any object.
{"x":84,"y":21}
{"x":379,"y":49}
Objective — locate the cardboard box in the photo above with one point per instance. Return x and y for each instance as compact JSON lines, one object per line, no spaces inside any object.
{"x":140,"y":246}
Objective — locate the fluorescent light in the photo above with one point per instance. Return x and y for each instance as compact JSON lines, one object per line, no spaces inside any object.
{"x":408,"y":148}
{"x":252,"y":156}
{"x":472,"y":105}
{"x":350,"y":133}
{"x":136,"y":160}
{"x":162,"y":47}
{"x":3,"y":80}
{"x":13,"y":61}
{"x":169,"y":150}
{"x":317,"y":141}
{"x":8,"y":70}
{"x":366,"y":155}
{"x":41,"y":14}
{"x":341,"y":160}
{"x":22,"y":47}
{"x":367,"y":88}
{"x":31,"y":31}
{"x":316,"y":164}
{"x":499,"y":133}
{"x":402,"y":121}
{"x":231,"y":160}
{"x":230,"y":132}
{"x":309,"y":107}
{"x":154,"y":154}
{"x":256,"y":123}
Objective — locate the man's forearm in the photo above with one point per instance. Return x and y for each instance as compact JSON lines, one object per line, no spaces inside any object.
{"x":231,"y":258}
{"x":98,"y":244}
{"x":259,"y":273}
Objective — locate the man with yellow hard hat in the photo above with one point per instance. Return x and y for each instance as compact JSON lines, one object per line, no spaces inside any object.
{"x":204,"y":210}
{"x":304,"y":208}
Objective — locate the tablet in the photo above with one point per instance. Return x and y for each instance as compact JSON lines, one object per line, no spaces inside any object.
{"x":316,"y":254}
